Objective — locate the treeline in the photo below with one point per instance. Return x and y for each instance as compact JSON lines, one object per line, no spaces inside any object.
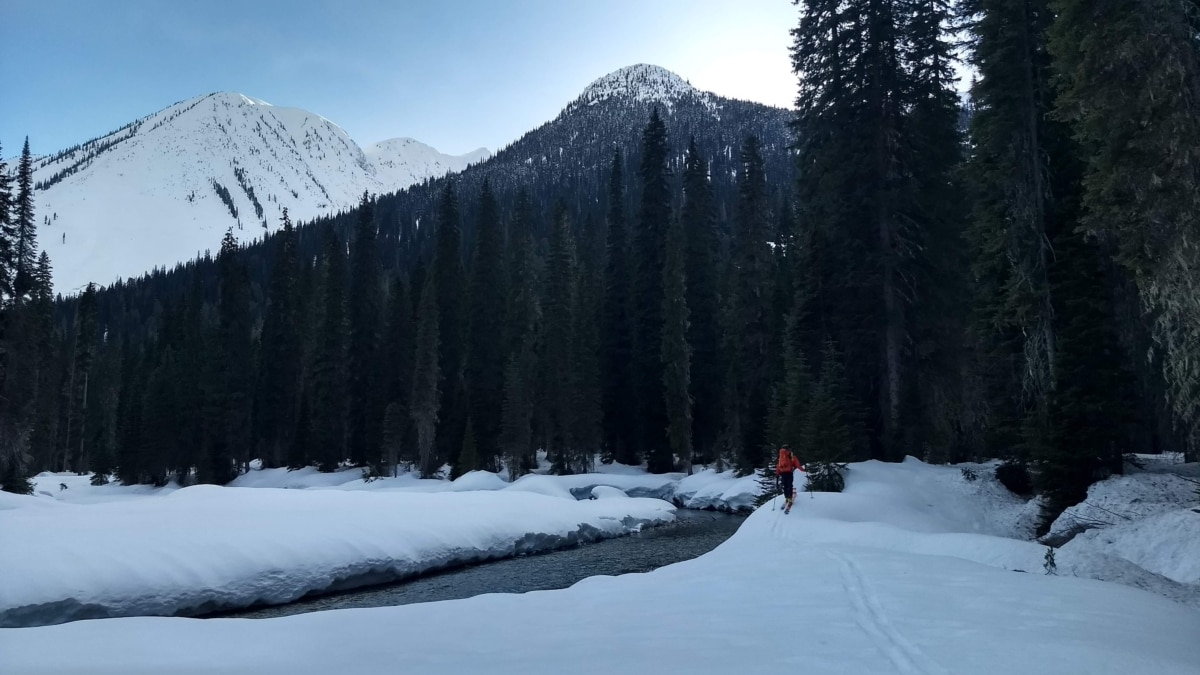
{"x":1024,"y":290}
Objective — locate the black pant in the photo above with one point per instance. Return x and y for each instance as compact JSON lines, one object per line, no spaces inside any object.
{"x":786,"y":484}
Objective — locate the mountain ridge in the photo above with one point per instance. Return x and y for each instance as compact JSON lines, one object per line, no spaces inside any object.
{"x":161,"y":188}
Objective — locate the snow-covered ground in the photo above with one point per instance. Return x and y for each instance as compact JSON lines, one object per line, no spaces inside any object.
{"x":911,"y":570}
{"x":204,"y":547}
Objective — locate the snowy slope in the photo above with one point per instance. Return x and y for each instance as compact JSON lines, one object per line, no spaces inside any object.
{"x":899,"y":574}
{"x":148,"y":195}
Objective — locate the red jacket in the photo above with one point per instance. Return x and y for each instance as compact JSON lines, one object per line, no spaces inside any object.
{"x":787,"y":462}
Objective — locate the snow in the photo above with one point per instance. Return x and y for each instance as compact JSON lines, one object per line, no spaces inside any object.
{"x":723,"y":491}
{"x":204,"y":547}
{"x":643,"y":83}
{"x":143,"y":196}
{"x":905,"y":572}
{"x":606,"y":492}
{"x":1147,"y":521}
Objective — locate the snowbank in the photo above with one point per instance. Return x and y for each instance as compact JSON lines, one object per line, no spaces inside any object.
{"x":204,"y":547}
{"x":724,"y":491}
{"x":1140,"y":529}
{"x":875,"y":580}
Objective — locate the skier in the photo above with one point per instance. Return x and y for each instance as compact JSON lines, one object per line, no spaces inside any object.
{"x":783,"y":471}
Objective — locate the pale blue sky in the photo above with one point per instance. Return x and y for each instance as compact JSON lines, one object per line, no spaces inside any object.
{"x":457,"y":74}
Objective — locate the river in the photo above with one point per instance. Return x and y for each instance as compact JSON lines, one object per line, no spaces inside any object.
{"x":693,"y":534}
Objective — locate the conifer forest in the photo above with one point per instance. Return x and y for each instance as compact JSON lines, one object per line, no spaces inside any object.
{"x":906,"y":264}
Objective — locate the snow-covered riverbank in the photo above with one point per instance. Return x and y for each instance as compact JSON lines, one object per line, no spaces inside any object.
{"x":203,"y":547}
{"x":911,"y":570}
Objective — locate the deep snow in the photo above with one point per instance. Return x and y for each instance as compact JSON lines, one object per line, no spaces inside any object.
{"x":902,"y":573}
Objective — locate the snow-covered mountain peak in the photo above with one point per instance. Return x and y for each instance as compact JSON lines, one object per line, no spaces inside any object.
{"x":161,"y":189}
{"x":643,"y":83}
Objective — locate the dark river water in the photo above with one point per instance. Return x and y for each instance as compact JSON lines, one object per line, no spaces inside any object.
{"x":693,"y":534}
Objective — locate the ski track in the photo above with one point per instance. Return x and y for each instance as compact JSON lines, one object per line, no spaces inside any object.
{"x":871,"y":617}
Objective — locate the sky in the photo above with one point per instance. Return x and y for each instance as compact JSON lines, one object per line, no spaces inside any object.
{"x":456,"y":74}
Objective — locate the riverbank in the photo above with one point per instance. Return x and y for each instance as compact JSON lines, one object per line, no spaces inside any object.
{"x":205,"y":548}
{"x":906,"y":572}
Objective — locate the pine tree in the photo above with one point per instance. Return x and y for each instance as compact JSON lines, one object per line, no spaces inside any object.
{"x":792,"y":396}
{"x":329,"y":365}
{"x":1089,"y":415}
{"x":877,"y":145}
{"x":394,"y":428}
{"x":1015,"y":155}
{"x":365,"y":306}
{"x":586,"y":413}
{"x":468,"y":457}
{"x":515,"y":432}
{"x":753,"y":272}
{"x":557,"y":366}
{"x":523,"y":339}
{"x":129,"y":418}
{"x":617,"y":331}
{"x":676,"y":357}
{"x":426,"y":386}
{"x":25,"y":249}
{"x":8,"y":240}
{"x":399,"y":348}
{"x":281,"y":351}
{"x":449,"y":275}
{"x":654,"y":217}
{"x":46,"y":399}
{"x":827,"y":436}
{"x":700,"y":231}
{"x":84,"y":351}
{"x":235,"y":358}
{"x":1131,"y":90}
{"x":486,"y":358}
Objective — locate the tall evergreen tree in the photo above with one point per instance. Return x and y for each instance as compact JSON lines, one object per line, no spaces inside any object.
{"x":876,"y":142}
{"x":281,"y":351}
{"x":704,"y":331}
{"x":1015,"y":156}
{"x":25,"y":249}
{"x":586,"y":412}
{"x":617,"y":331}
{"x":1131,"y":89}
{"x":365,"y":306}
{"x":398,"y":350}
{"x":450,"y":278}
{"x":676,"y":357}
{"x":486,"y":358}
{"x":523,"y":337}
{"x":84,"y":352}
{"x":49,"y":375}
{"x":558,"y":370}
{"x":329,"y":363}
{"x":654,"y":215}
{"x":1089,"y":410}
{"x":754,"y":270}
{"x":235,"y":349}
{"x":426,"y":386}
{"x":8,"y":237}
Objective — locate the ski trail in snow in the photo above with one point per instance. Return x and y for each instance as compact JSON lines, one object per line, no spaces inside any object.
{"x":871,"y":617}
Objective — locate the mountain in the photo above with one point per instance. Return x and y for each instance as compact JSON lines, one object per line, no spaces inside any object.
{"x":570,"y":156}
{"x":163,"y":188}
{"x":567,"y":158}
